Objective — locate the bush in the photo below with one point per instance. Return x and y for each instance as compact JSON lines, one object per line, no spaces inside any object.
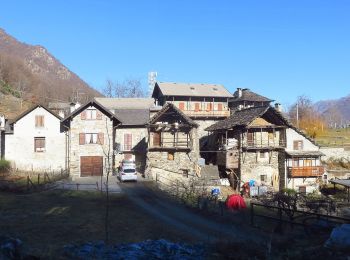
{"x":4,"y":166}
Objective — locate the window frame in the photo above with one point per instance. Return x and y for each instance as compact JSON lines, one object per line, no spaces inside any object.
{"x":39,"y":121}
{"x":39,"y":148}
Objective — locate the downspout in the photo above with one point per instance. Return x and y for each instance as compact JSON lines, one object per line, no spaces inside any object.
{"x":67,"y":135}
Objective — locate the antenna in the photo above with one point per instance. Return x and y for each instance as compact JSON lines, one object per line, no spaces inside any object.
{"x":152,"y":79}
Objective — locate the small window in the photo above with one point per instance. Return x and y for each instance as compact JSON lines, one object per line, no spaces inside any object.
{"x":91,"y":138}
{"x":39,"y":144}
{"x":91,"y":114}
{"x":263,"y":178}
{"x":171,"y":156}
{"x":185,"y":173}
{"x":302,"y":189}
{"x":262,"y":154}
{"x":298,"y":145}
{"x":39,"y":121}
{"x":215,"y":89}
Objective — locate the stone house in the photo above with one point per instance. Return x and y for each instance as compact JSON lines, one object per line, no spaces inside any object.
{"x":245,"y":98}
{"x":258,"y":143}
{"x":205,"y":104}
{"x":36,"y":141}
{"x":131,"y":136}
{"x":173,"y":144}
{"x":90,"y":145}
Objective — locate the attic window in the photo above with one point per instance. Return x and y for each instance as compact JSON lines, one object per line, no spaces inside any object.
{"x":215,"y":89}
{"x":192,"y":88}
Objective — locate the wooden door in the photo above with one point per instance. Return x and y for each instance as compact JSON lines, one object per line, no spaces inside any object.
{"x":156,"y":139}
{"x":91,"y":166}
{"x":250,"y":139}
{"x":182,"y":106}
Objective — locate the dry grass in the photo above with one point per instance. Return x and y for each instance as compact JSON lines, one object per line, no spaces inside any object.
{"x":47,"y":221}
{"x":334,"y":137}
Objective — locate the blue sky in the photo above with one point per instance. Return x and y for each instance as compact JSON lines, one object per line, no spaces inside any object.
{"x":280,"y":49}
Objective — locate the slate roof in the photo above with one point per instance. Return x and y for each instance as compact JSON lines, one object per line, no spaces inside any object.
{"x":30,"y":110}
{"x":168,"y":106}
{"x":304,"y":153}
{"x":239,"y":118}
{"x":191,"y":89}
{"x":248,"y":95}
{"x":59,"y":105}
{"x":132,"y":116}
{"x":126,"y":103}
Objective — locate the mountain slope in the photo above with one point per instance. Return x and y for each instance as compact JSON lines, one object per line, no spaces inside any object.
{"x":39,"y":76}
{"x":335,"y":111}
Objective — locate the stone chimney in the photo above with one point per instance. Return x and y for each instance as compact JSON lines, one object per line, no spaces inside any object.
{"x":74,"y":106}
{"x":278,"y":107}
{"x":239,"y":92}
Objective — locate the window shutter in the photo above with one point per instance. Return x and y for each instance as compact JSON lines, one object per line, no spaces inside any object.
{"x":81,"y":138}
{"x":219,"y":107}
{"x":83,"y":115}
{"x":209,"y":107}
{"x":98,"y":115}
{"x":196,"y":107}
{"x":127,"y":142}
{"x":182,"y":106}
{"x":100,"y":138}
{"x":42,"y":121}
{"x":36,"y":121}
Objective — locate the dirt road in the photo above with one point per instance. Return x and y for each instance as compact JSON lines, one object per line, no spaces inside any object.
{"x":177,"y":216}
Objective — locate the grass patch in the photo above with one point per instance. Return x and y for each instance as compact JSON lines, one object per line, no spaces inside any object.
{"x":334,"y":137}
{"x":46,"y":221}
{"x":4,"y":166}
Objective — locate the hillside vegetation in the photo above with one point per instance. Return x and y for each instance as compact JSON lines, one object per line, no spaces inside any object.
{"x":31,"y":74}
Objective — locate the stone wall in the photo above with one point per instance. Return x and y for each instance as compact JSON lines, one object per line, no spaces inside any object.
{"x":252,"y":167}
{"x":182,"y":161}
{"x":202,"y":124}
{"x":77,"y":126}
{"x":335,"y":153}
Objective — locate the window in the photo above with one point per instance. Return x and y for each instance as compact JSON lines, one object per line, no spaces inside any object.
{"x":91,"y":114}
{"x":91,"y":138}
{"x":171,"y":156}
{"x":39,"y":144}
{"x":263,"y":178}
{"x":156,"y":139}
{"x":250,"y":139}
{"x":262,"y":155}
{"x":302,"y":189}
{"x":298,"y":145}
{"x":39,"y":121}
{"x":127,"y":142}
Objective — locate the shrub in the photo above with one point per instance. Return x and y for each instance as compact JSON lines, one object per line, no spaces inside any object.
{"x":4,"y":166}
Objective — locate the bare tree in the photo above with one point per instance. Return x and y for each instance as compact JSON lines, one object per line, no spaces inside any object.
{"x":127,"y":88}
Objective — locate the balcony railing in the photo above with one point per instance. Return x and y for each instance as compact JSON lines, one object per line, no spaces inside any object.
{"x":306,"y":171}
{"x":207,"y":113}
{"x":171,"y":144}
{"x":263,"y":144}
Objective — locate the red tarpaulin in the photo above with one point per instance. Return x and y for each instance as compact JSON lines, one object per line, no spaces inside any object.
{"x":235,"y":201}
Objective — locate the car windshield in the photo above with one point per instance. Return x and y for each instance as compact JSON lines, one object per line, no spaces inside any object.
{"x":129,"y":170}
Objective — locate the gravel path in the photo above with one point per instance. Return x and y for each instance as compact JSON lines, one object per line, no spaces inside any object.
{"x":199,"y":227}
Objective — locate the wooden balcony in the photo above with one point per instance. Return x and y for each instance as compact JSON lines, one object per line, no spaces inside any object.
{"x":207,"y":113}
{"x":305,"y":171}
{"x":169,"y":144}
{"x":270,"y":144}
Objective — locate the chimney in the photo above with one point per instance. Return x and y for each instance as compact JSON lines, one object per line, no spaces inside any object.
{"x":72,"y":107}
{"x":2,"y":122}
{"x":278,"y":107}
{"x":239,"y":92}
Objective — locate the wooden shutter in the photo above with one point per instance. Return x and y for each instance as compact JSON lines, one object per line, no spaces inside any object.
{"x":39,"y":121}
{"x":219,"y":107}
{"x":209,"y":106}
{"x":250,"y":139}
{"x":36,"y":121}
{"x":98,"y":115}
{"x":81,"y":138}
{"x":182,"y":106}
{"x":100,"y":138}
{"x":83,"y":115}
{"x":196,"y":107}
{"x":127,"y":142}
{"x":156,"y":139}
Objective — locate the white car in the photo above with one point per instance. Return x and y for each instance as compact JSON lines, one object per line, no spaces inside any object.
{"x":127,"y":173}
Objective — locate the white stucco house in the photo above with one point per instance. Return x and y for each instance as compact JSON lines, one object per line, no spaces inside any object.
{"x":36,"y":141}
